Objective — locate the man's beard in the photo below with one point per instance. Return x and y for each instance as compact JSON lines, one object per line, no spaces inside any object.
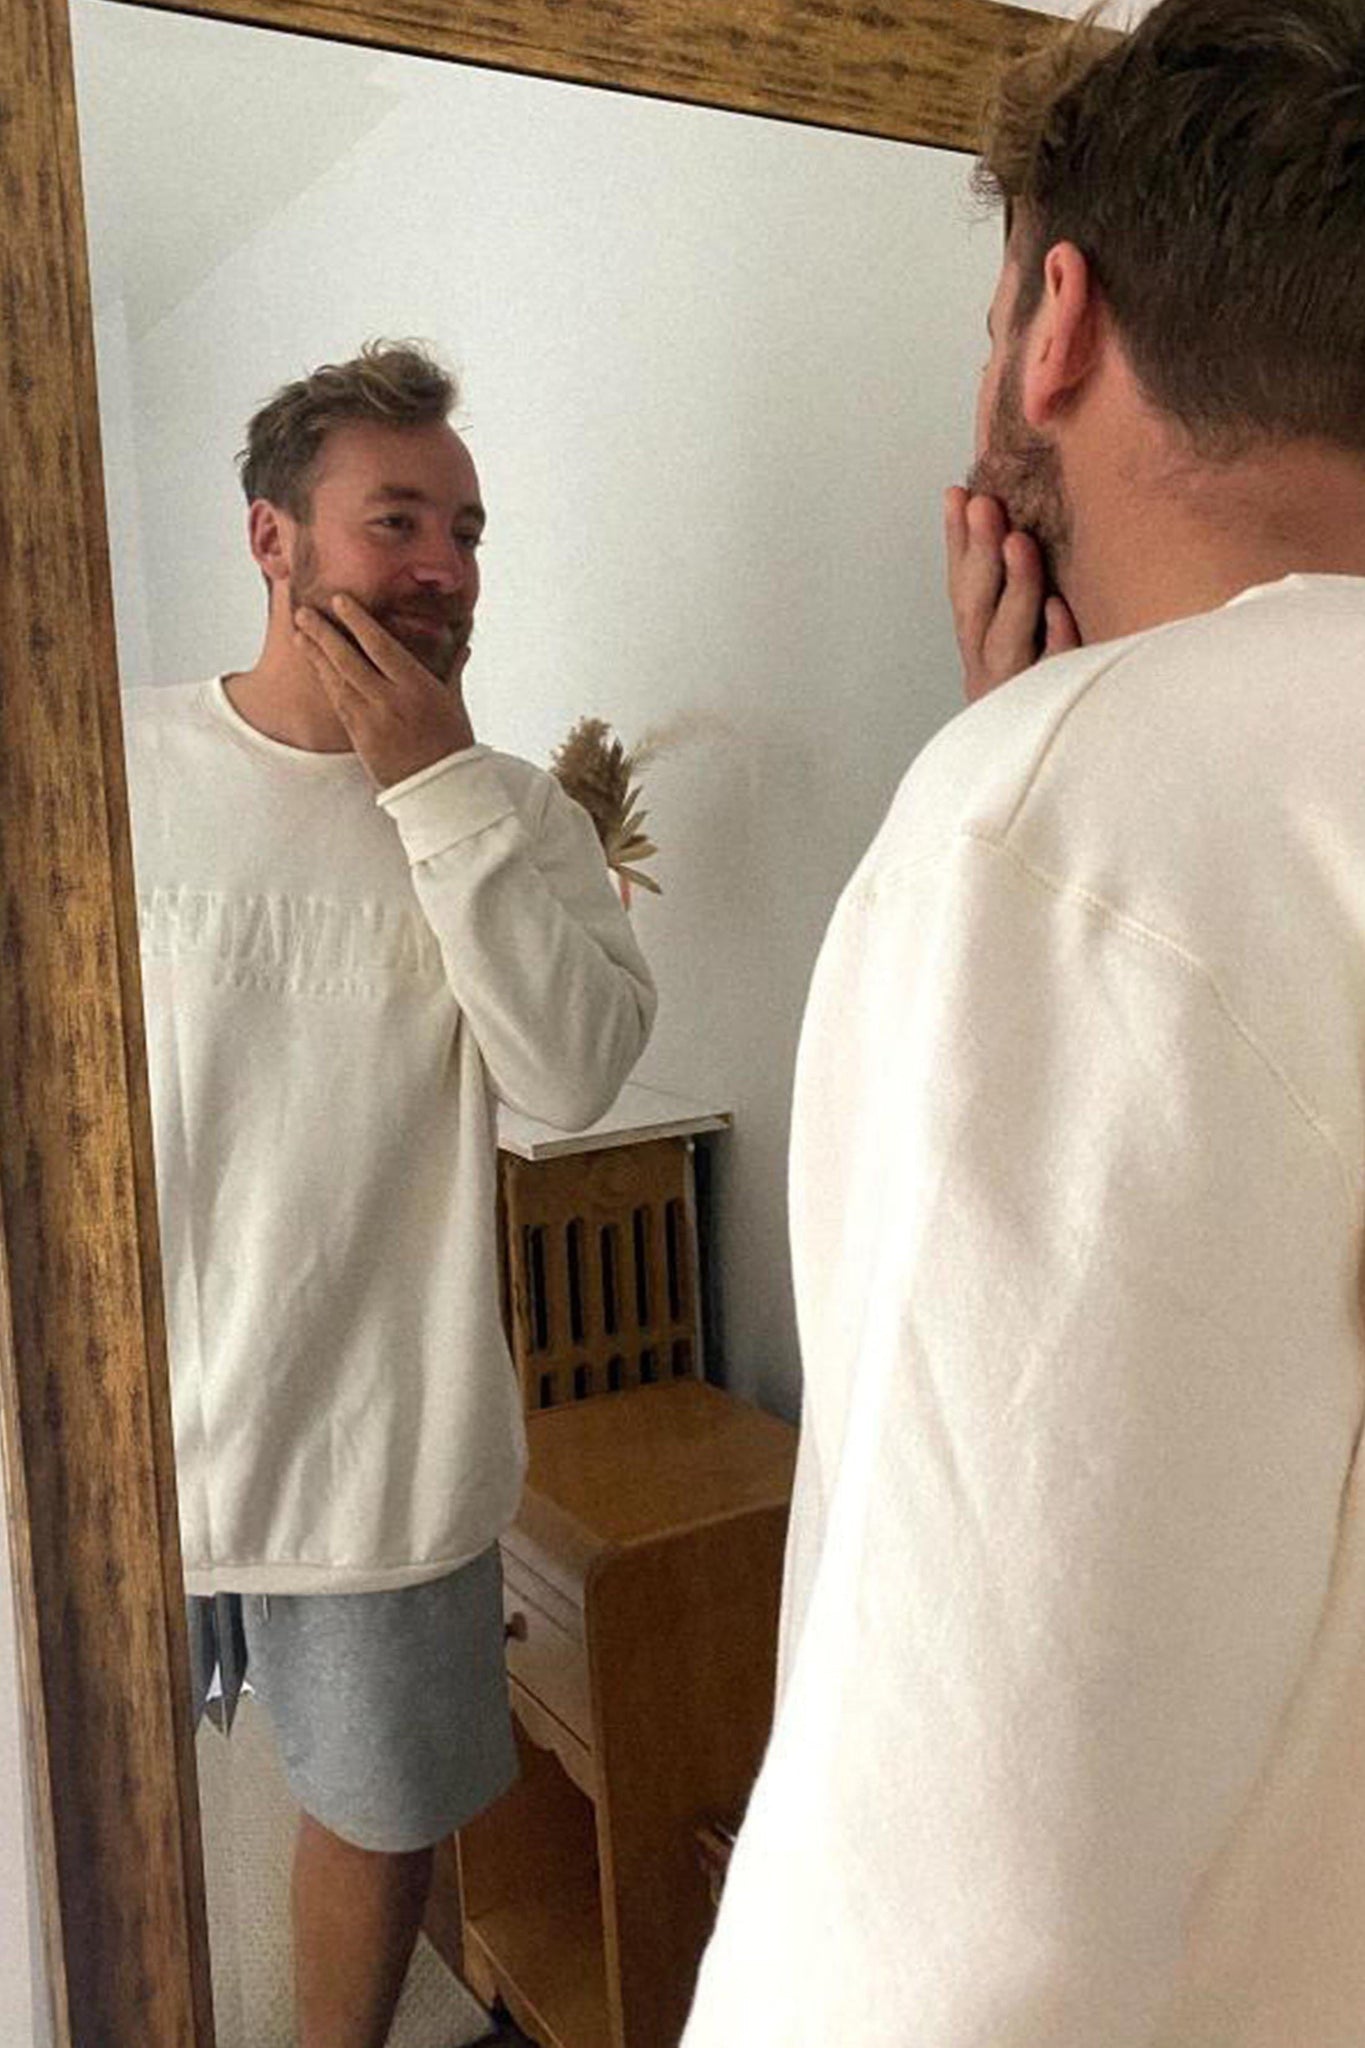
{"x":1023,"y":470}
{"x":439,"y":653}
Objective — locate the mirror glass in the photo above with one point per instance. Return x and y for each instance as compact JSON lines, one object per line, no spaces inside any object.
{"x":715,"y":373}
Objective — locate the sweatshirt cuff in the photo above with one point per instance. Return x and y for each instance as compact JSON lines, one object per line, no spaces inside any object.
{"x":449,"y":801}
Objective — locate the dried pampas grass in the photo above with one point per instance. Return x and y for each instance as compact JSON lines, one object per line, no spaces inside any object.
{"x":594,"y":768}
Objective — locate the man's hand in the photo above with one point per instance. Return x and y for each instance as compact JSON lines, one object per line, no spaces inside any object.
{"x":398,"y":717}
{"x":1004,"y":616}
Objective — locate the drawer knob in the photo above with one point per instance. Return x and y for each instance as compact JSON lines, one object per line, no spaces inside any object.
{"x":516,"y":1629}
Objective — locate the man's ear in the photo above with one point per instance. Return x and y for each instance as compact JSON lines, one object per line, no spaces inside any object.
{"x":271,"y":534}
{"x":1066,"y":336}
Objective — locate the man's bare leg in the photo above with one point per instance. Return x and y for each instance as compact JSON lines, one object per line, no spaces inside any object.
{"x":356,"y":1918}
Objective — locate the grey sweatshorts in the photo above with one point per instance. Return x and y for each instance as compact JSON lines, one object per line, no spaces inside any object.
{"x":390,"y":1709}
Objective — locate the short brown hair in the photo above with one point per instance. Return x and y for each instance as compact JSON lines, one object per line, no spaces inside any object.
{"x":1211,"y":167}
{"x":397,"y":383}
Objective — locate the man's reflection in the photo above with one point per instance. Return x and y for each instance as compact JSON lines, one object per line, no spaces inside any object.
{"x":360,"y":928}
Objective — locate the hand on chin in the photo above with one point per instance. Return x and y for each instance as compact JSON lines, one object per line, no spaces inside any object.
{"x":400,"y":715}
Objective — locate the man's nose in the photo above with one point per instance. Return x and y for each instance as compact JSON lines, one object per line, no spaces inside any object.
{"x":440,"y":564}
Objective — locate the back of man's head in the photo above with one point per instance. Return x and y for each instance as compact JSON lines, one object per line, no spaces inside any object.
{"x":394,"y":384}
{"x":1211,"y":166}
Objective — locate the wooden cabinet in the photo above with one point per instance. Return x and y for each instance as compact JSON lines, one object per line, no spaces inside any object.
{"x":642,"y":1584}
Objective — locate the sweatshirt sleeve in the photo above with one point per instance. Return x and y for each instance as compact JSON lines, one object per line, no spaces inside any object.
{"x":538,"y":951}
{"x":1076,"y":1272}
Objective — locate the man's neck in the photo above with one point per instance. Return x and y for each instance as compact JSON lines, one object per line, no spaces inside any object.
{"x":1169,"y":539}
{"x":281,"y":698}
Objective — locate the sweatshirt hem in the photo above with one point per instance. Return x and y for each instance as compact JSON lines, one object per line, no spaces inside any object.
{"x":325,"y":1578}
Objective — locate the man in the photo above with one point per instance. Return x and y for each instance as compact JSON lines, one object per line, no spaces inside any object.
{"x":360,"y":930}
{"x":1068,"y":1750}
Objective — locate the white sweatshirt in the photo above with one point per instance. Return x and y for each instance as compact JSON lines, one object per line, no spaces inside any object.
{"x":336,"y":990}
{"x":1070,"y":1748}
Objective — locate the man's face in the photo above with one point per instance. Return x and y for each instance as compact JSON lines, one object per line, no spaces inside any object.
{"x":1014,"y":462}
{"x":395,"y":523}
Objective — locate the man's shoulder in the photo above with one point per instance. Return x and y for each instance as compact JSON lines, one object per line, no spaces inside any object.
{"x":147,"y":700}
{"x":153,"y":706}
{"x":974,"y":772}
{"x":1208,"y":740}
{"x":1187,"y":803}
{"x":1149,"y":750}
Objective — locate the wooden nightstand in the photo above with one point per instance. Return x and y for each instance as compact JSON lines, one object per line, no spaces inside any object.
{"x":642,"y":1585}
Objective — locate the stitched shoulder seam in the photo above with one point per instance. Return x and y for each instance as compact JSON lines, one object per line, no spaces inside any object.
{"x":1123,"y":651}
{"x":1161,"y":942}
{"x":1142,"y":934}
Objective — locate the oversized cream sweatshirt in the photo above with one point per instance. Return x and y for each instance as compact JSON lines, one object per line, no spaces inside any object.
{"x":337,"y":990}
{"x":1070,"y":1744}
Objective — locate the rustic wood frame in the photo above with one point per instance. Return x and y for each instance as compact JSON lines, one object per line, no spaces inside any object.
{"x":83,"y":1389}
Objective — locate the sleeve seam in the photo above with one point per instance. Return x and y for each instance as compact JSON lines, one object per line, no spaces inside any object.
{"x":1161,"y":942}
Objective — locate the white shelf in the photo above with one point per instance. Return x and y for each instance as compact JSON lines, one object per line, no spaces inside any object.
{"x":639,"y":1113}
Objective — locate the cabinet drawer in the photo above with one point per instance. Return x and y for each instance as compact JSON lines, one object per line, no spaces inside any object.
{"x":547,"y":1661}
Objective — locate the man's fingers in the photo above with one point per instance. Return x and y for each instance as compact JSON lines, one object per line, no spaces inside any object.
{"x":997,"y":584}
{"x":345,"y":696}
{"x":1062,"y":631}
{"x":979,"y":572}
{"x":1019,"y":614}
{"x":369,"y":658}
{"x":983,"y":564}
{"x":388,"y":655}
{"x":987,"y":521}
{"x":955,"y":522}
{"x":330,"y":651}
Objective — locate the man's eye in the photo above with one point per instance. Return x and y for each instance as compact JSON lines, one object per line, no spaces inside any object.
{"x":399,"y":521}
{"x":472,"y":542}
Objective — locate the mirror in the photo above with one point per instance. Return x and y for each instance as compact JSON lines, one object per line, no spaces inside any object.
{"x":716,"y":371}
{"x":101,"y":1977}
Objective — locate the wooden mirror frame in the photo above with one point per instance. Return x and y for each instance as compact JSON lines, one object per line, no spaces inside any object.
{"x":83,"y":1386}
